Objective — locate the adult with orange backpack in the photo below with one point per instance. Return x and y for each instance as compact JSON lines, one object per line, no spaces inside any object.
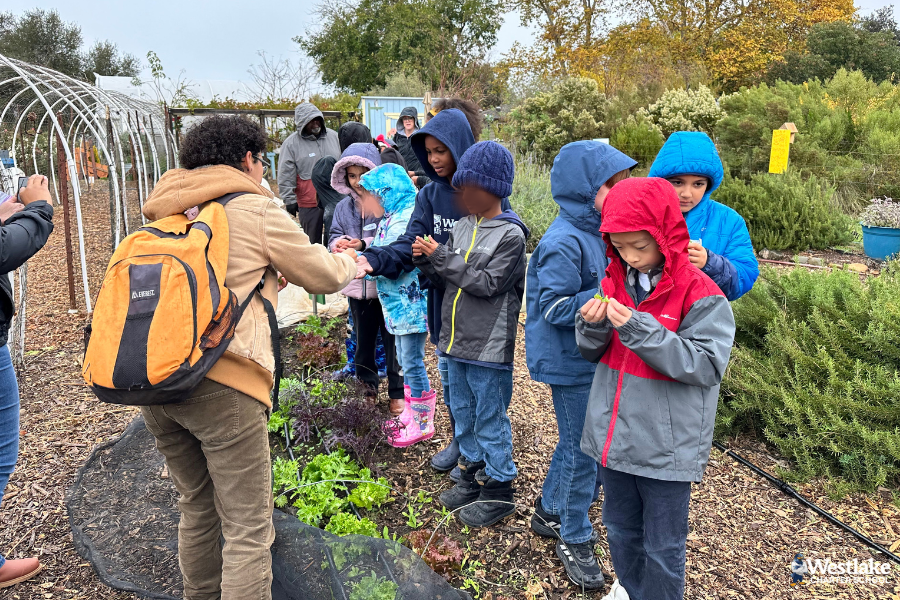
{"x":213,"y":437}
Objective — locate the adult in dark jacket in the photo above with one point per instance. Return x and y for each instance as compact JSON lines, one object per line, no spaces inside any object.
{"x":299,"y":154}
{"x":436,"y":212}
{"x":26,"y":225}
{"x":350,"y":132}
{"x":564,"y":273}
{"x":407,"y":125}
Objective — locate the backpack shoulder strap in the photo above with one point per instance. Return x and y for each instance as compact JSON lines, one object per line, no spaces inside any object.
{"x":223,"y":200}
{"x":276,"y":336}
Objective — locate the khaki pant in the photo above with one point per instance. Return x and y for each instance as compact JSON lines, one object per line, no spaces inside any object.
{"x":217,"y":451}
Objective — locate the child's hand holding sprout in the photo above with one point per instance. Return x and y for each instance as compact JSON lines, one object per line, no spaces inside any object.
{"x":424,"y":246}
{"x":600,"y":307}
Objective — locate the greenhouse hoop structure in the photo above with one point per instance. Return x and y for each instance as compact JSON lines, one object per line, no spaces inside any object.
{"x":72,"y":131}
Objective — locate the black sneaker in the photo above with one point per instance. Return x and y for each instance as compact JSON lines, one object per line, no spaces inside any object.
{"x":543,"y":523}
{"x":494,"y":504}
{"x":581,"y":564}
{"x":467,"y":489}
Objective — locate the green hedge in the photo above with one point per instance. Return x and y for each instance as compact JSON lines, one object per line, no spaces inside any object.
{"x":532,"y":200}
{"x":816,"y":372}
{"x":786,"y":212}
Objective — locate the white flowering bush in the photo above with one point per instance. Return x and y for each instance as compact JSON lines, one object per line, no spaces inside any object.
{"x":882,"y":212}
{"x":685,"y":110}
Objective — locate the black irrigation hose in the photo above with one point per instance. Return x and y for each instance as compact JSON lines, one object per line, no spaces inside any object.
{"x":790,"y":491}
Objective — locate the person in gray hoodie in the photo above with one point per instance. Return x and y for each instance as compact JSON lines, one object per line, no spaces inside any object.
{"x":300,"y":152}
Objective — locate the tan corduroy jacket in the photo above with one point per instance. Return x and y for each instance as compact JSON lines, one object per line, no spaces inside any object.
{"x":263,"y":239}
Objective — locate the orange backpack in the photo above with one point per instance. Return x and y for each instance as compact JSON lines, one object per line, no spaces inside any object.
{"x":164,"y":316}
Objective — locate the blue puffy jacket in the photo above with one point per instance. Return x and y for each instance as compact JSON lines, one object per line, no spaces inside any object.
{"x":731,"y":263}
{"x":568,"y":263}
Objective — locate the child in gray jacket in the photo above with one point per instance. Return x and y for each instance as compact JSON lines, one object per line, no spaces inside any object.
{"x":482,"y":267}
{"x":661,"y":331}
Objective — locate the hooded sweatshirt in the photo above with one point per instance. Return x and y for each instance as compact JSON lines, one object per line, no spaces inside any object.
{"x":348,"y":222}
{"x":350,"y":132}
{"x":403,"y":141}
{"x":263,"y":239}
{"x":568,"y":263}
{"x":436,"y":210}
{"x":653,"y":400}
{"x":353,"y":132}
{"x":299,"y":153}
{"x":482,"y":267}
{"x":402,"y":299}
{"x":731,"y":263}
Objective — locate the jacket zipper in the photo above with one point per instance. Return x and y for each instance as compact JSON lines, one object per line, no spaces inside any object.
{"x":459,"y":290}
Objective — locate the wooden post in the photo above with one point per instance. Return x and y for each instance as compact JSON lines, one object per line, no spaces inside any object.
{"x":63,"y":174}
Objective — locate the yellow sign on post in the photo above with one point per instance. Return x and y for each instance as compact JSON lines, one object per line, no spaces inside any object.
{"x":781,"y":148}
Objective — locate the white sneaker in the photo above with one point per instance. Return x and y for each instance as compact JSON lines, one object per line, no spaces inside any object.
{"x":616,"y":592}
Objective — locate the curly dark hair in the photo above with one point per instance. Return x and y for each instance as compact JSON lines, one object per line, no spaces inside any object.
{"x":221,"y":140}
{"x":469,"y":108}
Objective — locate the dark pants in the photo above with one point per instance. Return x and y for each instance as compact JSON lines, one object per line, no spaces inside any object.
{"x":312,"y":221}
{"x":647,"y":525}
{"x":368,"y":321}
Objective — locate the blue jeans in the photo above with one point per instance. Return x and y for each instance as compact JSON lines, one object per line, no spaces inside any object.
{"x":9,"y":421}
{"x":480,"y":397}
{"x":444,"y":370}
{"x":411,"y":354}
{"x":646,"y":525}
{"x":569,"y":485}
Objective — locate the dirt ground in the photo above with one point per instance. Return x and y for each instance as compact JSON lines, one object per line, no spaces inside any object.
{"x":744,"y":532}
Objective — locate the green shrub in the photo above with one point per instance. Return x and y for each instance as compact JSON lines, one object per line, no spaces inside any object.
{"x":814,"y":371}
{"x":573,"y":110}
{"x":532,"y":200}
{"x":784,"y":212}
{"x":639,"y":139}
{"x":684,"y":110}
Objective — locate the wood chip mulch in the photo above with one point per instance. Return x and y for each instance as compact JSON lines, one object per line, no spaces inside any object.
{"x":744,"y":532}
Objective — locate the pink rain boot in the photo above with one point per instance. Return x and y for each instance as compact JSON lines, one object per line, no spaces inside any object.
{"x":422,"y":425}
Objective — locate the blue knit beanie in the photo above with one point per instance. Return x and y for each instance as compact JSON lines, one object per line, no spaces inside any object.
{"x":487,"y":165}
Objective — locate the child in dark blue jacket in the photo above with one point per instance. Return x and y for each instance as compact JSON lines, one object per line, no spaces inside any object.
{"x":563,"y":274}
{"x":720,"y":242}
{"x":439,"y":145}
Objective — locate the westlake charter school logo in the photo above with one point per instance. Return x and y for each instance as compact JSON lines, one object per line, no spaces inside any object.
{"x":805,"y":571}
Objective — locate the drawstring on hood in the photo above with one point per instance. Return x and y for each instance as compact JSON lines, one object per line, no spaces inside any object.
{"x":579,"y":171}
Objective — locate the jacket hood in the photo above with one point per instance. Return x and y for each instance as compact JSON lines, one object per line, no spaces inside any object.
{"x":360,"y":155}
{"x":689,"y":153}
{"x":410,"y":111}
{"x":353,"y":132}
{"x":511,"y":217}
{"x":647,"y":204}
{"x":392,"y":186}
{"x":306,"y":112}
{"x":579,"y":171}
{"x":181,"y":189}
{"x":392,"y":155}
{"x":321,"y":178}
{"x":452,"y":129}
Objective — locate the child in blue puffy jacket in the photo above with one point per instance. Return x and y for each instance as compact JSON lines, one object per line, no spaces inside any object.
{"x":720,"y":242}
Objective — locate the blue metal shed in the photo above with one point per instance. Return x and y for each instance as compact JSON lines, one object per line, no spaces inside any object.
{"x":380,"y":113}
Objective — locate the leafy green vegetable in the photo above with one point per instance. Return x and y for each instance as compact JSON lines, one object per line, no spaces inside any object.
{"x":372,"y":587}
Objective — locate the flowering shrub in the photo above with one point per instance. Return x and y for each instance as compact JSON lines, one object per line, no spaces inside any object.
{"x":573,"y":110}
{"x":882,"y":212}
{"x":685,"y":110}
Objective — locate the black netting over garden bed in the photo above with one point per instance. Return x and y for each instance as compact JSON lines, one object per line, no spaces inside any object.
{"x":122,"y":509}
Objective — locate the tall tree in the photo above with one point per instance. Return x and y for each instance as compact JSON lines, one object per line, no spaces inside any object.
{"x":356,"y":45}
{"x":43,"y":38}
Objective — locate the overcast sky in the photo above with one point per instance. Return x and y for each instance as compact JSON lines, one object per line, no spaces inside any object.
{"x":220,"y":43}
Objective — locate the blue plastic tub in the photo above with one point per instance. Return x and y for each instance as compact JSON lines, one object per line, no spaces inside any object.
{"x":881,"y":243}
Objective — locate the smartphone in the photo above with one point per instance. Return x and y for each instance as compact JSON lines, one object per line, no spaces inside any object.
{"x":23,"y":181}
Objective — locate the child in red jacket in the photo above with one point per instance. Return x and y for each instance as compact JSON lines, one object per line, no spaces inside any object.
{"x":662,"y":333}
